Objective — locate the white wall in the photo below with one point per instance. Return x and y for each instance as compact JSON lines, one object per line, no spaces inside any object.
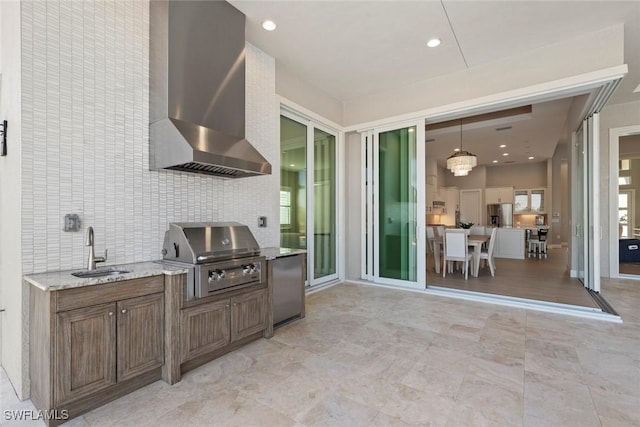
{"x":520,"y":175}
{"x":295,"y":89}
{"x":85,"y":87}
{"x":612,"y":116}
{"x":590,"y":52}
{"x":12,"y":292}
{"x":477,"y":178}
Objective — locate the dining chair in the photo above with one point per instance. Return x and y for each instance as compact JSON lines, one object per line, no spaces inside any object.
{"x":538,"y":245}
{"x":487,"y":254}
{"x":456,"y":249}
{"x":430,"y":243}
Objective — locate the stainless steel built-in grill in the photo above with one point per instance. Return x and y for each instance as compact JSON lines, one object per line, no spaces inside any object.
{"x":219,"y":255}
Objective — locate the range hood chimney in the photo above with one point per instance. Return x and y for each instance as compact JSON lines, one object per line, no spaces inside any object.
{"x":197,"y":90}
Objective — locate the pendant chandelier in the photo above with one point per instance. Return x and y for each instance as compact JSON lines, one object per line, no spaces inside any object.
{"x":461,"y":162}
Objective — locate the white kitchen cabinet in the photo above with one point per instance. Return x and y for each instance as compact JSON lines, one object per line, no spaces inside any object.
{"x":495,"y":195}
{"x":530,"y":201}
{"x":450,"y":197}
{"x":509,"y":243}
{"x":471,"y":206}
{"x":433,"y":194}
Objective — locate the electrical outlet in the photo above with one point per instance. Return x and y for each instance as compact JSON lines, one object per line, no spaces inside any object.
{"x":262,"y":221}
{"x":71,"y":222}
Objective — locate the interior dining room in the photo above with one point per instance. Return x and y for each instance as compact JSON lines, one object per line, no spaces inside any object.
{"x":514,"y":200}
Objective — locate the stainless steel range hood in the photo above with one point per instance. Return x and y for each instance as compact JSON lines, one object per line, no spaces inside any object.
{"x":197,"y":90}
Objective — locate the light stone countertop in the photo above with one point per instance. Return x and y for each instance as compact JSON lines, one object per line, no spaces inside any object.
{"x":58,"y":280}
{"x":273,"y":253}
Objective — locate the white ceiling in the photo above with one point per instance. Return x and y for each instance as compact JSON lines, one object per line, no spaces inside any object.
{"x":350,"y":49}
{"x":355,"y":48}
{"x":535,"y":134}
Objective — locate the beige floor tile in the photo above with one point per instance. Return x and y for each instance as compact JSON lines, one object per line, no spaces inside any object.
{"x":433,"y":381}
{"x":337,"y":410}
{"x":490,"y":398}
{"x":373,"y":356}
{"x":616,"y":409}
{"x":417,"y":407}
{"x":550,"y":401}
{"x":479,"y":416}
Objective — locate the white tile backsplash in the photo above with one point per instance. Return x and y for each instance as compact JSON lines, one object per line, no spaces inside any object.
{"x":85,"y":150}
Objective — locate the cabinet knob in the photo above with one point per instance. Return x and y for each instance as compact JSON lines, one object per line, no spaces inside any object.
{"x":235,"y":304}
{"x":228,"y":305}
{"x":124,"y":310}
{"x":111,"y":313}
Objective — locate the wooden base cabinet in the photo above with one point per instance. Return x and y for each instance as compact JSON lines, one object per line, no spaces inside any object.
{"x":96,"y":343}
{"x":212,"y":326}
{"x":86,"y":351}
{"x":248,"y":314}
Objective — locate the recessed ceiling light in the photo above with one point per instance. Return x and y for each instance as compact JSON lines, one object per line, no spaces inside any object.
{"x":502,"y":146}
{"x":531,"y":157}
{"x":505,"y":154}
{"x":433,"y":42}
{"x":495,"y":161}
{"x":269,"y":25}
{"x":292,"y":165}
{"x":456,"y":149}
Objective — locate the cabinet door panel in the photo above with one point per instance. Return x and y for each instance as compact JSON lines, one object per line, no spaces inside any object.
{"x":140,"y":335}
{"x":205,"y":328}
{"x":86,"y":351}
{"x":491,"y":195}
{"x":249,"y":314}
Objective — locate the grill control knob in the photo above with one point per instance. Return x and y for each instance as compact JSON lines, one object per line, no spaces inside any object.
{"x":216,"y":275}
{"x":249,"y":269}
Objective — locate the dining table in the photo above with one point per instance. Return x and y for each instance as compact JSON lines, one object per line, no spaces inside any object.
{"x":473,"y":240}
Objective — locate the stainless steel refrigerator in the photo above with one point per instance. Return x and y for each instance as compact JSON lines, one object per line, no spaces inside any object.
{"x":500,"y":215}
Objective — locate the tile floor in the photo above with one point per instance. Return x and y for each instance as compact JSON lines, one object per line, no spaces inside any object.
{"x":368,"y":356}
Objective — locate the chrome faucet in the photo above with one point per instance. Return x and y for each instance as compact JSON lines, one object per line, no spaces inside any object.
{"x":91,"y":262}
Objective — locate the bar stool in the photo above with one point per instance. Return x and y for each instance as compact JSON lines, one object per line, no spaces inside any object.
{"x":538,"y":245}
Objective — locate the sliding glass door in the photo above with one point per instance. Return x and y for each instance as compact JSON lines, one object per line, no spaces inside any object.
{"x":587,"y":218}
{"x":397,"y":212}
{"x":393,"y":244}
{"x":324,"y":202}
{"x":308,"y":183}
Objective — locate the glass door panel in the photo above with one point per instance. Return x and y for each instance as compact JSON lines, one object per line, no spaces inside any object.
{"x":623,"y":215}
{"x":397,"y":205}
{"x":580,"y":199}
{"x":308,"y":195}
{"x":293,"y":184}
{"x":592,"y":209}
{"x":324,"y":202}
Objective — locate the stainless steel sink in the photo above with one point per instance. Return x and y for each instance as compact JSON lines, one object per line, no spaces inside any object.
{"x":86,"y":274}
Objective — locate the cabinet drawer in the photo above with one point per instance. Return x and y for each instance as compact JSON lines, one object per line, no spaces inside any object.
{"x":70,"y":299}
